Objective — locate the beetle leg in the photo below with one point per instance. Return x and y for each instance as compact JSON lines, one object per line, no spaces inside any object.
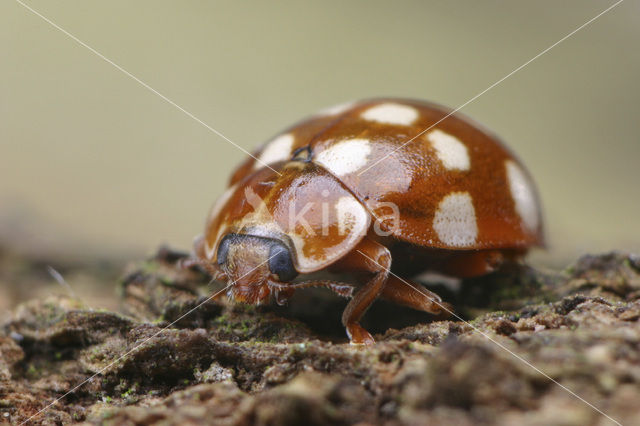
{"x":414,"y":295}
{"x":281,"y":294}
{"x":341,"y":289}
{"x":372,"y":257}
{"x":476,"y":263}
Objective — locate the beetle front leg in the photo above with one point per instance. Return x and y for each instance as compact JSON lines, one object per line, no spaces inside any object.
{"x":341,"y":289}
{"x":373,"y":258}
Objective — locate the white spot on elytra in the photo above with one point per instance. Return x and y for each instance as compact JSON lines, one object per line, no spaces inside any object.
{"x":391,"y":113}
{"x":279,"y":149}
{"x":523,"y":195}
{"x":337,"y":109}
{"x":455,"y":220}
{"x":345,"y":157}
{"x":453,"y":153}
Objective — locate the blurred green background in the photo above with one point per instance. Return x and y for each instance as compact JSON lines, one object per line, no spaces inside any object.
{"x":93,"y":164}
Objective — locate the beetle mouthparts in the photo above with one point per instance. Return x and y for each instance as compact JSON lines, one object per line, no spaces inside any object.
{"x":249,"y":294}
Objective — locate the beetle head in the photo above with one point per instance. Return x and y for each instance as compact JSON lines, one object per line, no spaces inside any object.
{"x":252,"y":263}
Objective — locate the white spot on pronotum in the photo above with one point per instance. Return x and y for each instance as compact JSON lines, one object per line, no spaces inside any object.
{"x":279,"y":149}
{"x":345,"y":157}
{"x":391,"y":113}
{"x":455,"y":220}
{"x":337,"y":109}
{"x":221,"y":201}
{"x":353,"y":219}
{"x":523,"y":195}
{"x":208,"y":250}
{"x":353,"y":222}
{"x":215,"y":212}
{"x":453,"y":153}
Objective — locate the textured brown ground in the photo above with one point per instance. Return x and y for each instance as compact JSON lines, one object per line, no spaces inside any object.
{"x":239,"y":365}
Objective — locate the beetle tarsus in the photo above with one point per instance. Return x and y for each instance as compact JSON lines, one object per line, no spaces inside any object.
{"x":359,"y":336}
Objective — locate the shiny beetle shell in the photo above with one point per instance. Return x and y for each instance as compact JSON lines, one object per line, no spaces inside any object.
{"x":463,"y":203}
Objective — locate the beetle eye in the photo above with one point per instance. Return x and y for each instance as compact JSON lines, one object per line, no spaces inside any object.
{"x":223,"y":248}
{"x":280,"y":263}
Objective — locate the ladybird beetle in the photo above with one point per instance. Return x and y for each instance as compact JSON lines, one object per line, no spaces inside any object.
{"x":358,"y":185}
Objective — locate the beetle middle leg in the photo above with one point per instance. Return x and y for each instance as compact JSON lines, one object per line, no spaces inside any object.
{"x":414,"y":295}
{"x":373,"y":259}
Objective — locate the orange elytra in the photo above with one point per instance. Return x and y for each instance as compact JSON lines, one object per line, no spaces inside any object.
{"x":383,"y":189}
